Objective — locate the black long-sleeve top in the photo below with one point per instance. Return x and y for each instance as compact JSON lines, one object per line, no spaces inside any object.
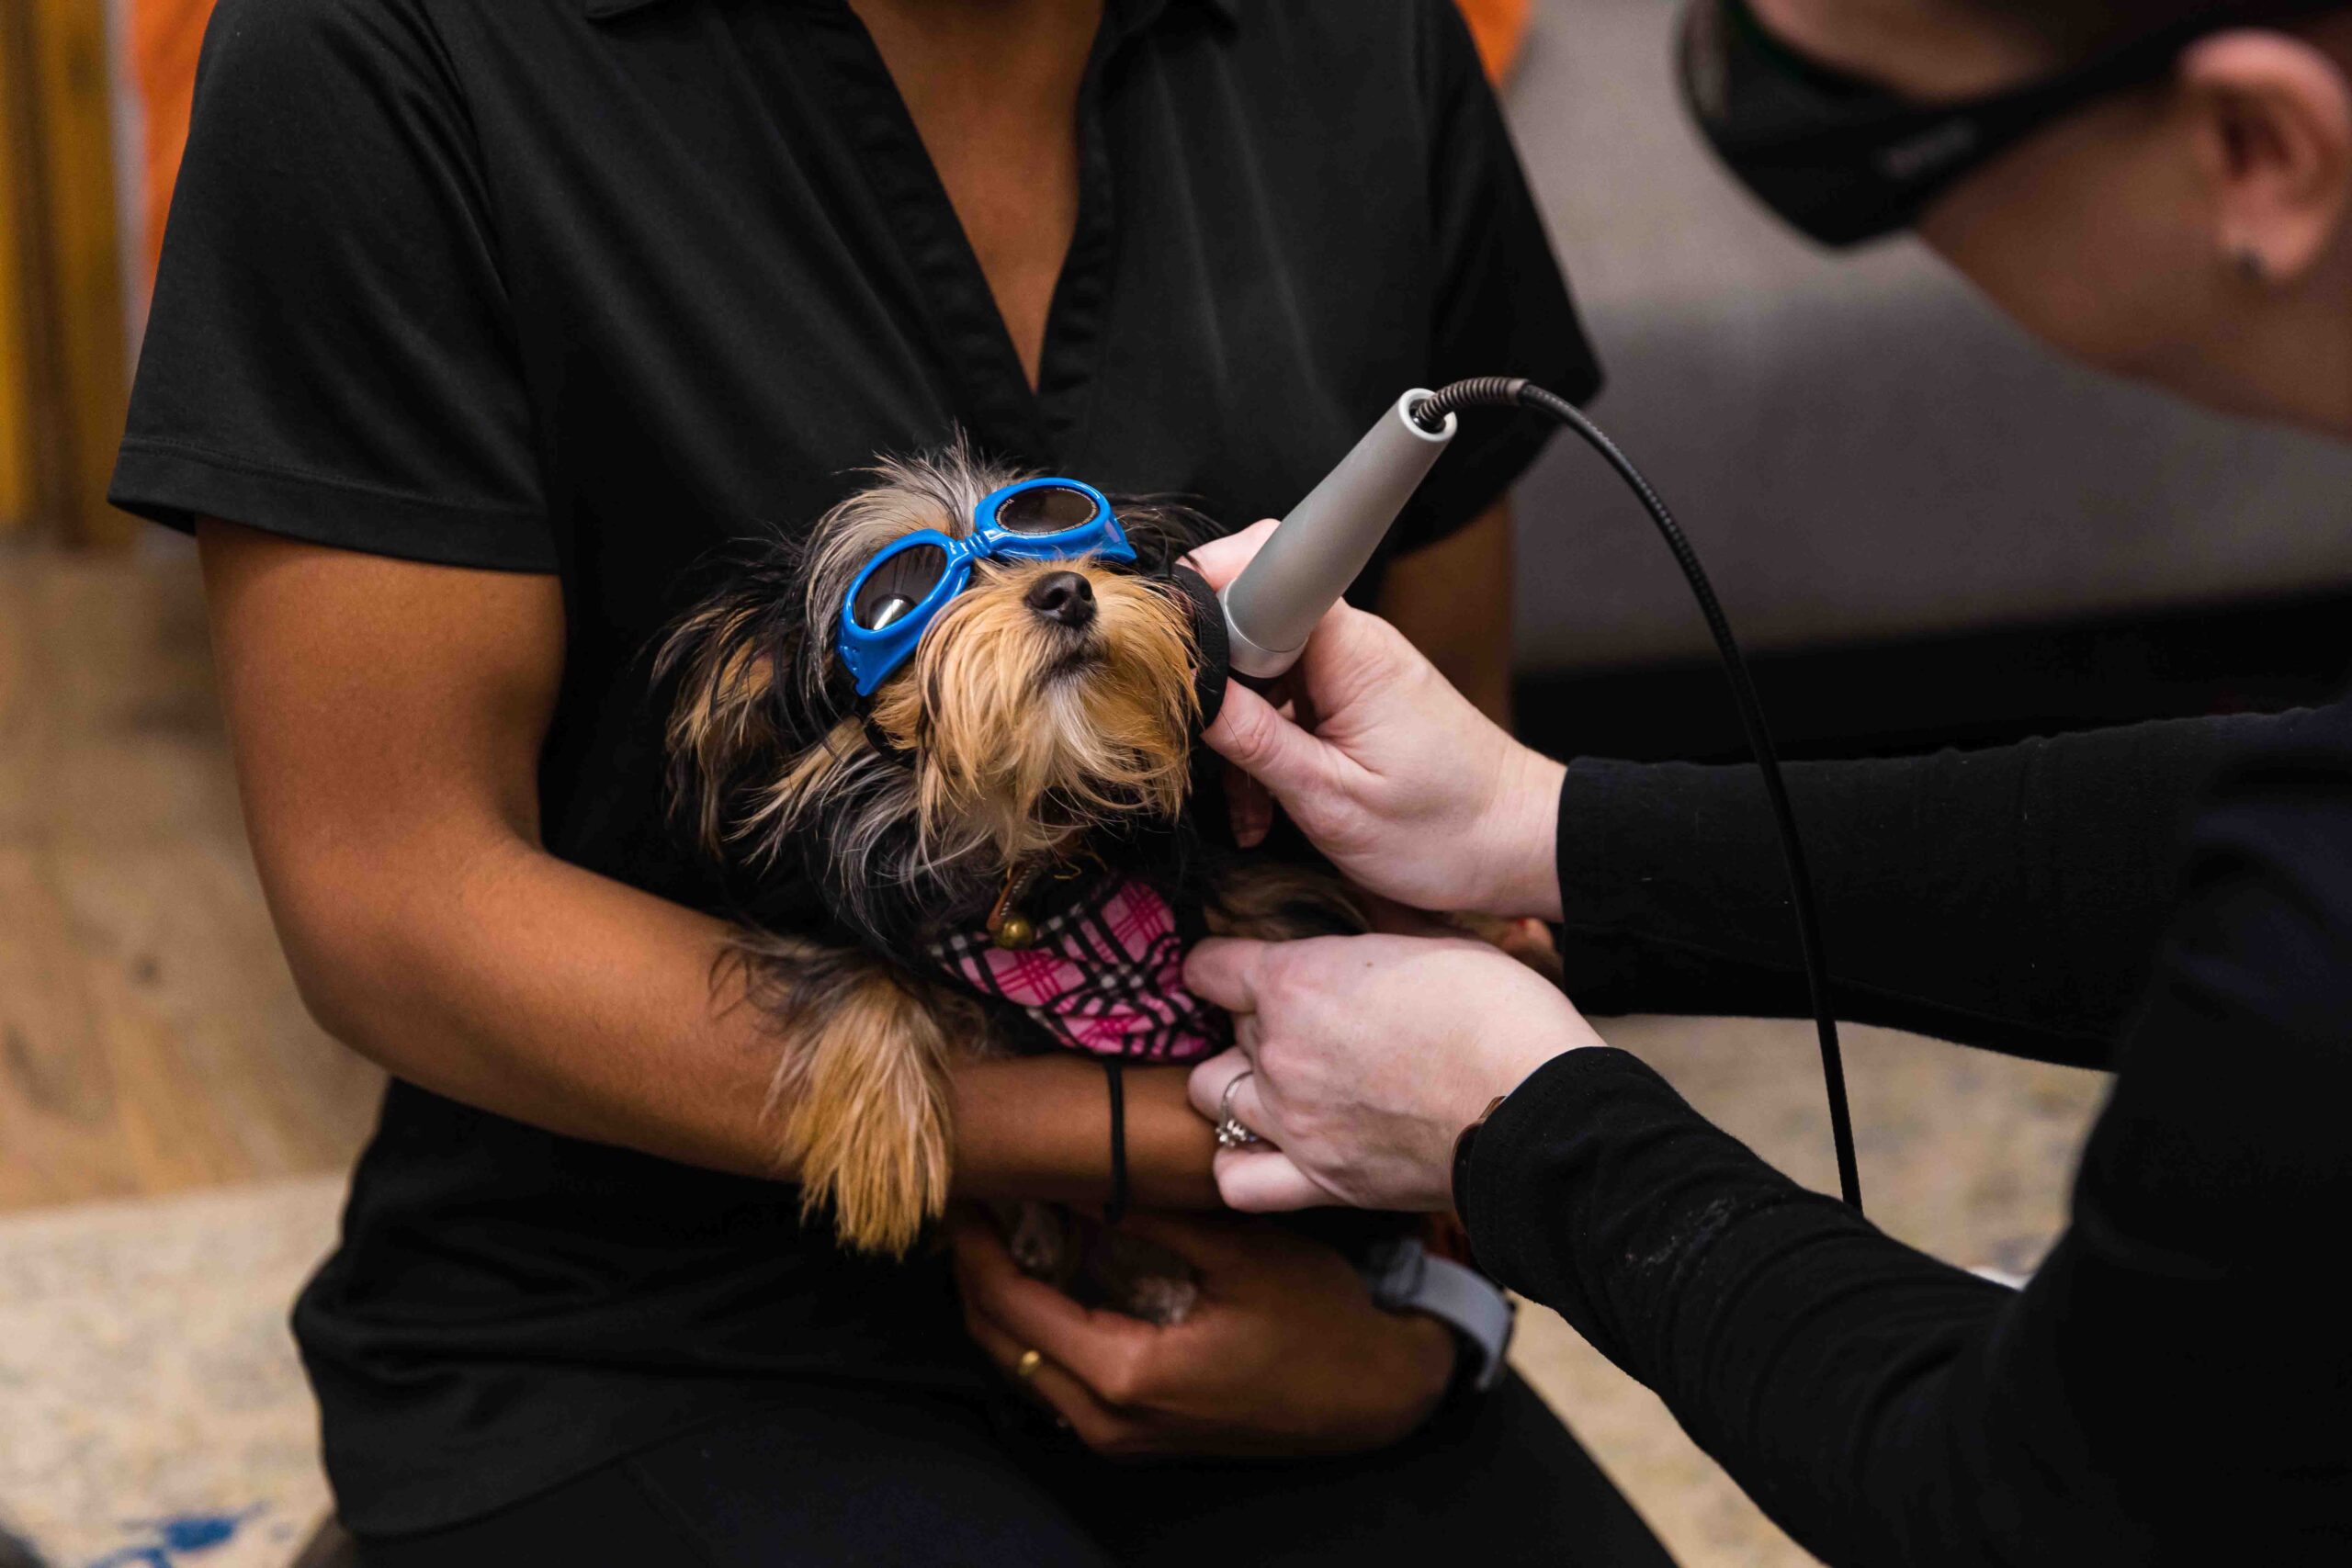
{"x":2174,"y":1385}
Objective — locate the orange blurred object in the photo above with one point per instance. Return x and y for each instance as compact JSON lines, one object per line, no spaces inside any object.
{"x":164,"y":36}
{"x":1499,"y":26}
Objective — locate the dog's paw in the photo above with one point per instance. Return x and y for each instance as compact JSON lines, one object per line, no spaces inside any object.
{"x":881,"y":1187}
{"x":1041,"y":1238}
{"x":1162,"y":1299}
{"x":864,"y":1095}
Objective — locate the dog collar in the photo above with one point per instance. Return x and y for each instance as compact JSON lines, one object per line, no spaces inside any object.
{"x":1103,"y":974}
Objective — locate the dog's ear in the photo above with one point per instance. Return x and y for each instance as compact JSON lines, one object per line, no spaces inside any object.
{"x":1162,"y":531}
{"x":731,"y":659}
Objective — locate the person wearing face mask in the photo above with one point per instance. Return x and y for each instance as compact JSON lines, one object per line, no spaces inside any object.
{"x":2161,"y":189}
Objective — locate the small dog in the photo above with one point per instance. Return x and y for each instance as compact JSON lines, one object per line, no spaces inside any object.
{"x":964,"y":711}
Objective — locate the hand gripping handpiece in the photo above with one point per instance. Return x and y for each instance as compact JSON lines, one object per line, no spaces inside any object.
{"x":1327,"y":539}
{"x":1272,"y":609}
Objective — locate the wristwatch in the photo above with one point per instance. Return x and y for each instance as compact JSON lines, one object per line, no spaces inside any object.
{"x":1461,"y":1145}
{"x":1405,"y":1276}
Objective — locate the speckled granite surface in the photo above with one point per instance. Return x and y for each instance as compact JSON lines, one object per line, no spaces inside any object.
{"x":146,"y":1376}
{"x":150,"y":1398}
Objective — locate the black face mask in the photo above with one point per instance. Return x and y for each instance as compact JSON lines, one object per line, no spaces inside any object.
{"x":1845,"y":161}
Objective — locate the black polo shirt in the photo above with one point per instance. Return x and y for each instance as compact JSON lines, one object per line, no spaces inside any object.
{"x":589,"y":286}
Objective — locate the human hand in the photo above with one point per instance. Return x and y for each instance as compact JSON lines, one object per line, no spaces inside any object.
{"x":1221,"y":561}
{"x":1365,"y":1058}
{"x":1285,"y":1355}
{"x":1408,"y":789}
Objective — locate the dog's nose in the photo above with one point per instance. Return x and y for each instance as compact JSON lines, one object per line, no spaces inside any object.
{"x":1063,"y":596}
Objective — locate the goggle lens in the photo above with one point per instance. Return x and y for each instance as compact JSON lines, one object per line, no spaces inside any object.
{"x":892,"y":603}
{"x":898,"y":585}
{"x":1046,"y":509}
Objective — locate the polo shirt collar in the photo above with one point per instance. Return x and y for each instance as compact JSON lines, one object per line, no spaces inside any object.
{"x":600,"y":10}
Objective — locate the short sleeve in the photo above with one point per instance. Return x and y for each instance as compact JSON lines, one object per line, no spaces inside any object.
{"x":329,"y":353}
{"x":1500,"y":306}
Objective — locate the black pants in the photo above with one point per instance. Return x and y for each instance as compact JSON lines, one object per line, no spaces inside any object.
{"x":882,"y":1480}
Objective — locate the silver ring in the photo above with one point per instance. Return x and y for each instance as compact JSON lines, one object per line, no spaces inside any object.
{"x":1231,"y":1132}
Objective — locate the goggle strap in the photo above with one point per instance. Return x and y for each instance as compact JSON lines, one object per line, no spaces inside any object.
{"x":1911,"y":155}
{"x":878,"y":739}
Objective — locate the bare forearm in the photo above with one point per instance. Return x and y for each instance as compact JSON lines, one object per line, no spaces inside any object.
{"x":388,"y":719}
{"x":501,"y":976}
{"x":1040,"y":1127}
{"x":504,"y":977}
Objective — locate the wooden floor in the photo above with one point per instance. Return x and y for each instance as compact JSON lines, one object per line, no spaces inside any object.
{"x":149,"y":1037}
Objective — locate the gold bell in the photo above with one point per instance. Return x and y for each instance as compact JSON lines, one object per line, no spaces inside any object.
{"x":1015,"y":934}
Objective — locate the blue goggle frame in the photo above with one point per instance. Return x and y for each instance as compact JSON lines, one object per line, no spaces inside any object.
{"x":871,"y":655}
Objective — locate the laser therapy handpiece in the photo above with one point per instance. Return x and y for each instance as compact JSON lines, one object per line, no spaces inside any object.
{"x":1271,"y":608}
{"x":1327,"y":540}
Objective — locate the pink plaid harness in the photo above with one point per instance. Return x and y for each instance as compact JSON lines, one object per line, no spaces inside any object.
{"x":1106,"y":976}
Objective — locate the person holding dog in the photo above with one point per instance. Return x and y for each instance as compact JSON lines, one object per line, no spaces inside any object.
{"x":2162,"y":189}
{"x":481,"y":324}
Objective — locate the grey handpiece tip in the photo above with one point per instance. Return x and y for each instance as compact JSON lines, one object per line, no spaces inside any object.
{"x":1327,"y":539}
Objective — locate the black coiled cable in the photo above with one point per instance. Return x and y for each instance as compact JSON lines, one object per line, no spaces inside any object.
{"x":1503,"y":391}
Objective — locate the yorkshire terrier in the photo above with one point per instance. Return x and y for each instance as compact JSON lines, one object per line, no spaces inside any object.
{"x":963,"y":710}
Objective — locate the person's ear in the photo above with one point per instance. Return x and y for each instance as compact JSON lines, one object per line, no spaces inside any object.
{"x":2273,"y":124}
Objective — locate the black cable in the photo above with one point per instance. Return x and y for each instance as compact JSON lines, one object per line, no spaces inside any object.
{"x":1501,"y":391}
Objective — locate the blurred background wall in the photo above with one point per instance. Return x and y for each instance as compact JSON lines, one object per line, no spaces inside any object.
{"x":1867,"y":456}
{"x":94,"y":110}
{"x":64,"y":326}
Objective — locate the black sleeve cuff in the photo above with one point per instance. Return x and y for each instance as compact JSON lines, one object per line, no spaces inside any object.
{"x":175,"y":484}
{"x":1498,"y":1188}
{"x":1599,"y":1190}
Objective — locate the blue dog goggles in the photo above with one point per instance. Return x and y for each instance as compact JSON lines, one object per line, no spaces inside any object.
{"x":902,"y":590}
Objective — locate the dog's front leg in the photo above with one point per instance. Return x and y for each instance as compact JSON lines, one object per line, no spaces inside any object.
{"x":862,"y":1090}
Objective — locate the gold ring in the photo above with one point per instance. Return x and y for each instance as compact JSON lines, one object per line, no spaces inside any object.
{"x":1027,"y":1368}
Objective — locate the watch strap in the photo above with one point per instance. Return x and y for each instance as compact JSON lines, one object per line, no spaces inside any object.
{"x":1406,"y":1276}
